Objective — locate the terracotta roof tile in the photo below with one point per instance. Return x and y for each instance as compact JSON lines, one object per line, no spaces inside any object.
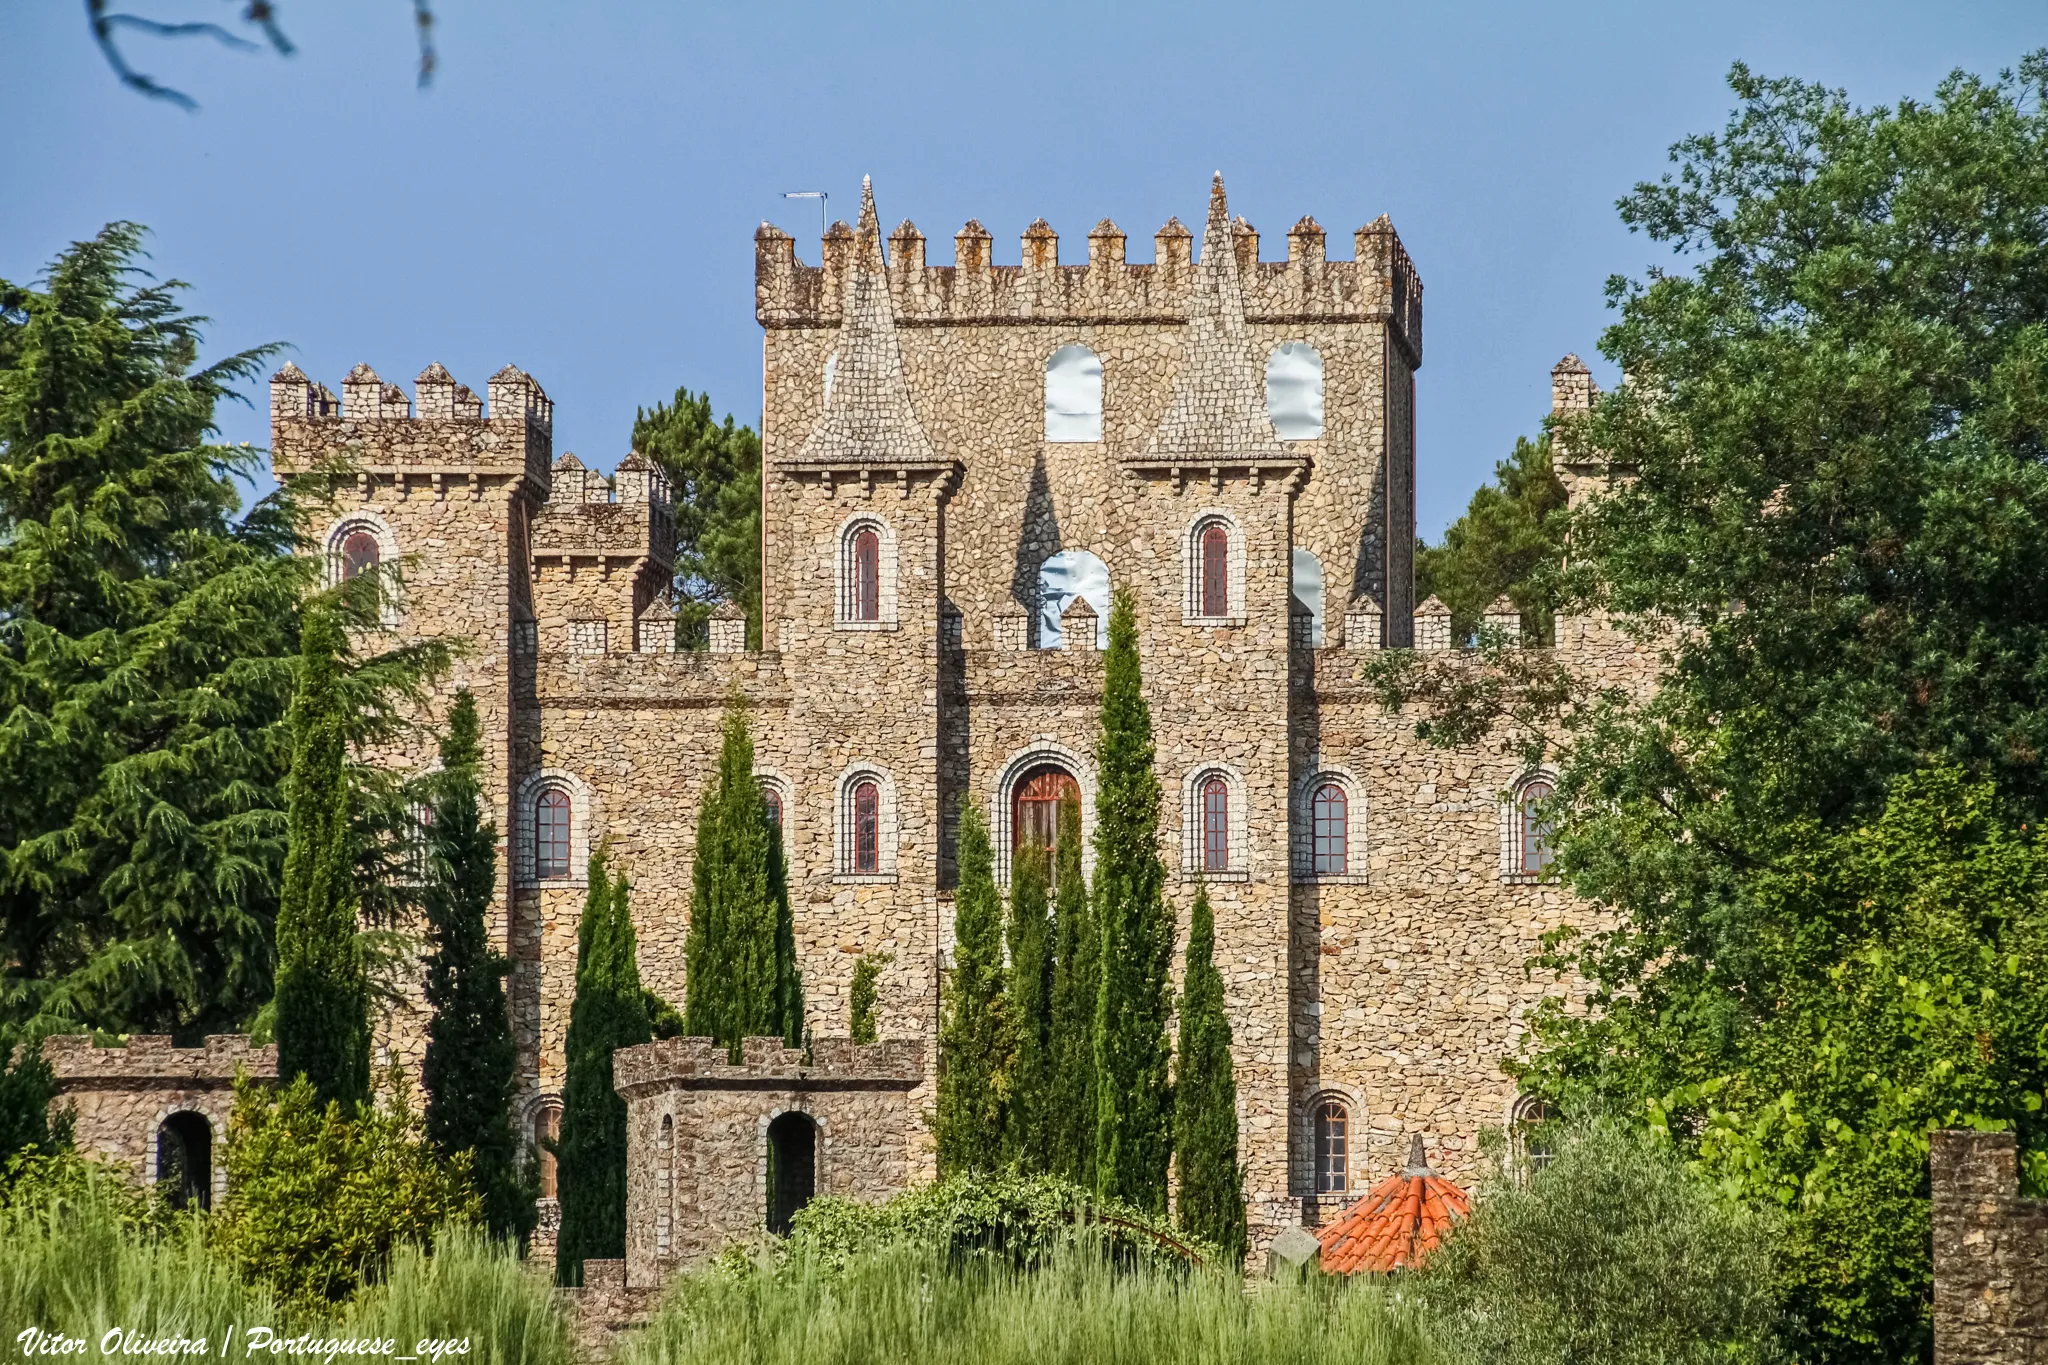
{"x":1397,"y":1223}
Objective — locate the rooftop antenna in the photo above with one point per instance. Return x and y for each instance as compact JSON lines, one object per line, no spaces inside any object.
{"x":824,"y":205}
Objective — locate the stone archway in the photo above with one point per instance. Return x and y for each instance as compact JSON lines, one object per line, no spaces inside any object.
{"x":184,"y":1159}
{"x":792,"y":1168}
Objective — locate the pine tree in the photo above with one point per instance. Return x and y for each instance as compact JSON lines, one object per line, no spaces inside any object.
{"x":1070,"y":1119}
{"x":1509,"y":543}
{"x":740,"y":954}
{"x":1029,"y":1007}
{"x":470,"y":1071}
{"x":323,"y":1018}
{"x":610,"y":1012}
{"x":1134,"y":1103}
{"x":974,"y":1041}
{"x":860,"y":997}
{"x":714,"y":477}
{"x":1205,"y":1098}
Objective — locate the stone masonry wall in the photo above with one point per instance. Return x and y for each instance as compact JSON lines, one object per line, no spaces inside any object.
{"x":1990,"y":1254}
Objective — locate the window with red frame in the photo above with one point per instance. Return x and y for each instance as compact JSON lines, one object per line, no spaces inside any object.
{"x":866,"y":588}
{"x":1215,"y":571}
{"x":1215,"y":825}
{"x":867,"y":827}
{"x":360,"y":553}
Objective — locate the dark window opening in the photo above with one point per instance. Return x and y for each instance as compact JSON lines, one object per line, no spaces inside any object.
{"x":1215,"y":825}
{"x":1215,"y":571}
{"x":551,"y":834}
{"x":792,"y":1168}
{"x":867,"y":576}
{"x":359,"y":553}
{"x":1535,"y":829}
{"x":1333,"y":1138}
{"x":867,"y":827}
{"x":771,"y":806}
{"x":184,"y":1161}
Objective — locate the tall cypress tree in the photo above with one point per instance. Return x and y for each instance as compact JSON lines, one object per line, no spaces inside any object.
{"x":471,"y":1064}
{"x":1028,"y":1118}
{"x":974,"y":1042}
{"x":1134,"y":1104}
{"x":1070,"y":1119}
{"x":323,"y":1018}
{"x":740,"y":954}
{"x":1205,"y":1097}
{"x":610,"y":1012}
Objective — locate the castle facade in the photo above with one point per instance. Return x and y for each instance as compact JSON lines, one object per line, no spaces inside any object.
{"x":960,"y":462}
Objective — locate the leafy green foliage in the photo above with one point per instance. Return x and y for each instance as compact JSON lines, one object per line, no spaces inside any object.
{"x":1211,"y":1200}
{"x":740,"y":955}
{"x":1134,"y":1100}
{"x":26,"y":1089}
{"x":976,"y":1045}
{"x":714,"y":475}
{"x":323,"y":1197}
{"x":609,"y":1012}
{"x":1027,"y":1120}
{"x":470,"y":1073}
{"x":860,"y":996}
{"x":1610,"y":1253}
{"x":1076,"y":982}
{"x":1509,"y":543}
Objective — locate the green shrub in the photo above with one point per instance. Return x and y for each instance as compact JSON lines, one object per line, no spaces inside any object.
{"x":1608,"y":1251}
{"x":320,"y":1200}
{"x":905,"y":1306}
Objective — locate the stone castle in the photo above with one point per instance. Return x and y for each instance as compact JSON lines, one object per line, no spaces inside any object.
{"x":960,"y":462}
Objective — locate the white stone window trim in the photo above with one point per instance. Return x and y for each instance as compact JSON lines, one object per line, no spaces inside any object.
{"x":392,"y":609}
{"x":217,"y":1174}
{"x":1238,"y":863}
{"x":1041,"y":751}
{"x":582,"y":813}
{"x":1305,"y":1154}
{"x":885,"y":826}
{"x":775,"y":780}
{"x":844,"y":607}
{"x":1191,"y":597}
{"x":1511,"y":827}
{"x":1074,"y":371}
{"x":1302,"y":828}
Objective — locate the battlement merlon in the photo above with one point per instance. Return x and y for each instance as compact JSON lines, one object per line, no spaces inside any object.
{"x":1378,"y":284}
{"x":588,"y":517}
{"x":149,"y":1059}
{"x":765,"y":1064}
{"x":450,"y":442}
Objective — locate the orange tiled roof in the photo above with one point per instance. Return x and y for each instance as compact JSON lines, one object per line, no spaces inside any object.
{"x":1397,"y":1223}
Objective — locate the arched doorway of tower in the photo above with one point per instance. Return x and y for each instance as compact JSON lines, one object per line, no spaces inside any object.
{"x":1035,"y":808}
{"x":184,"y":1160}
{"x":792,"y":1168}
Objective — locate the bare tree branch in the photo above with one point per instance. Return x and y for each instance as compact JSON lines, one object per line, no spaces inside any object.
{"x":259,"y":14}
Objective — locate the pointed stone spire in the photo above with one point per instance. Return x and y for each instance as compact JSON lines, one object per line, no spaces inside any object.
{"x":868,"y":416}
{"x":1218,"y":414}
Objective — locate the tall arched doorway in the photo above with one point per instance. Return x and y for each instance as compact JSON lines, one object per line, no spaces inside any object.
{"x":1035,"y":807}
{"x":792,"y":1168}
{"x":184,"y":1160}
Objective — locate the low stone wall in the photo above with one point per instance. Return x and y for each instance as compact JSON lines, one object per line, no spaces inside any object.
{"x":605,"y":1308}
{"x":1990,"y":1254}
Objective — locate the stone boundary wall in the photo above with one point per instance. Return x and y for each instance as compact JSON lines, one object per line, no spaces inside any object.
{"x":1990,"y":1254}
{"x":836,"y":1064}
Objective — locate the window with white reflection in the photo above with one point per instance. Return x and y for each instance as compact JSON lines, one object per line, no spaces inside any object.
{"x":1308,"y":590}
{"x":1073,"y":395}
{"x":1294,"y":391}
{"x":1062,"y":578}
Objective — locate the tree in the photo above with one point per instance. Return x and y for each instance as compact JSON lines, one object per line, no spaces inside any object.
{"x":323,"y":1002}
{"x":975,"y":1046}
{"x":740,"y":953}
{"x":1134,"y":1101}
{"x":714,"y":475}
{"x":1071,"y":1118}
{"x":1211,"y":1201}
{"x":860,"y":997}
{"x":26,"y":1088}
{"x":471,"y":1068}
{"x":609,"y":1012}
{"x":1028,"y":1118}
{"x":1509,"y":543}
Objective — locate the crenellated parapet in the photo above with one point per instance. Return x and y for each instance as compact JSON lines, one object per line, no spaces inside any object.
{"x":149,"y":1061}
{"x":613,"y":523}
{"x":1379,"y":283}
{"x":765,"y":1064}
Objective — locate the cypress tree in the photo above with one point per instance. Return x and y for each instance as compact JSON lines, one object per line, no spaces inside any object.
{"x":610,"y":1012}
{"x":1134,"y":1103}
{"x":1205,"y":1098}
{"x":323,"y":1018}
{"x":470,"y":1071}
{"x":860,"y":998}
{"x":1028,"y":1118}
{"x":1070,"y":1120}
{"x":974,"y":1043}
{"x":741,"y":978}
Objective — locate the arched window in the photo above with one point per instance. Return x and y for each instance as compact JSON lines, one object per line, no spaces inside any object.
{"x":1332,"y":816}
{"x":1073,"y":395}
{"x":865,"y":590}
{"x":1333,"y":1147}
{"x":547,"y":1129}
{"x":1215,"y":571}
{"x":1035,"y":809}
{"x":867,"y":826}
{"x":184,"y":1160}
{"x":1215,"y":825}
{"x":1533,"y":828}
{"x":1294,"y":391}
{"x":771,"y":806}
{"x":360,"y":553}
{"x":551,"y":834}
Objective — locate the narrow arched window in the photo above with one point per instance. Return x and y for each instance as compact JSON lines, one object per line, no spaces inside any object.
{"x":866,"y":588}
{"x":547,"y":1128}
{"x":1333,"y":1147}
{"x":1534,"y":828}
{"x":867,"y":827}
{"x":668,"y":1132}
{"x":1215,"y":825}
{"x":1331,"y":814}
{"x":771,"y":806}
{"x":360,"y":553}
{"x":1215,"y":571}
{"x":551,"y":834}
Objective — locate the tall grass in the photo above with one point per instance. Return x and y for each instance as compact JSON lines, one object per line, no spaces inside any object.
{"x":903,"y":1306}
{"x":472,"y":1288}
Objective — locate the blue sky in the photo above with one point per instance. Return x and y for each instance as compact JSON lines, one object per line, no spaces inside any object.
{"x":577,"y":191}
